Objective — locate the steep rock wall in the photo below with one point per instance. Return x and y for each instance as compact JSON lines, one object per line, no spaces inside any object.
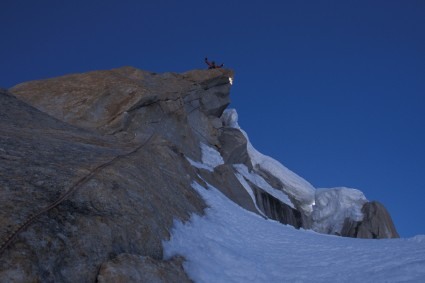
{"x":118,"y":195}
{"x":78,"y":195}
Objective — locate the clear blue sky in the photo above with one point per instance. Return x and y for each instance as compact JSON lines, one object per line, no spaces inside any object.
{"x":335,"y":90}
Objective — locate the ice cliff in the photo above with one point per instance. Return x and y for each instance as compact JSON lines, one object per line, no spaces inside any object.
{"x":95,"y":168}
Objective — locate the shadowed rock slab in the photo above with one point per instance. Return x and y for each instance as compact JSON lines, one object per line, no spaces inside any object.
{"x":223,"y":178}
{"x":376,"y":224}
{"x":119,"y":192}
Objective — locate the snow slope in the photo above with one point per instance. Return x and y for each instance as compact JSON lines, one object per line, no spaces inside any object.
{"x":230,"y":244}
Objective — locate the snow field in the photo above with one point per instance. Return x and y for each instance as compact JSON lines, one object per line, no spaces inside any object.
{"x":230,"y":244}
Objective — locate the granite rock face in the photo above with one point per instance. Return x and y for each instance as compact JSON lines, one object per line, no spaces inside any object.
{"x":131,"y":104}
{"x":95,"y":167}
{"x":86,"y":176}
{"x":82,"y":198}
{"x":376,"y":223}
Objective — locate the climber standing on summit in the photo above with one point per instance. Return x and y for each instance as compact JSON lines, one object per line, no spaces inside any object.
{"x":212,"y":65}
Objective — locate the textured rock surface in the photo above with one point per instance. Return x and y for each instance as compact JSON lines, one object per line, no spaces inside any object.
{"x":127,"y":268}
{"x":94,"y":169}
{"x":376,"y":223}
{"x":108,"y":176}
{"x":234,"y":147}
{"x":132,"y":103}
{"x":117,"y":207}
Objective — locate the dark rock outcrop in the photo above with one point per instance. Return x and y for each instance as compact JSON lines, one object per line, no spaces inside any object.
{"x":376,"y":224}
{"x":234,"y":147}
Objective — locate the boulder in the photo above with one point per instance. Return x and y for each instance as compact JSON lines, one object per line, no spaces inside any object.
{"x":376,"y":223}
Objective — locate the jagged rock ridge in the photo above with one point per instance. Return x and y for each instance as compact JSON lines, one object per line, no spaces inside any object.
{"x":93,"y":179}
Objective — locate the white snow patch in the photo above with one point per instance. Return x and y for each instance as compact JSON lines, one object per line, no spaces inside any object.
{"x":211,"y":158}
{"x":261,"y":183}
{"x":230,"y":118}
{"x":199,"y":165}
{"x":230,"y":244}
{"x":333,"y":206}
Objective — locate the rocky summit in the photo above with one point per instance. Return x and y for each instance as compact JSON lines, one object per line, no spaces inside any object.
{"x":95,"y":167}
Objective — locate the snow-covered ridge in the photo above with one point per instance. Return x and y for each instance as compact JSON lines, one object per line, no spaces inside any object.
{"x":294,"y":185}
{"x":328,"y":208}
{"x":323,"y":210}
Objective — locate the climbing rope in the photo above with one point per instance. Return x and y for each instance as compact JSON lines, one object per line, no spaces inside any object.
{"x":6,"y":243}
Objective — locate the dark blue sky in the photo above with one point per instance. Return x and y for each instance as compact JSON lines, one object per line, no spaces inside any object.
{"x":335,"y":90}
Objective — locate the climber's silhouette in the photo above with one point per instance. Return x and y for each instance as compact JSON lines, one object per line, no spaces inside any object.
{"x":212,"y":65}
